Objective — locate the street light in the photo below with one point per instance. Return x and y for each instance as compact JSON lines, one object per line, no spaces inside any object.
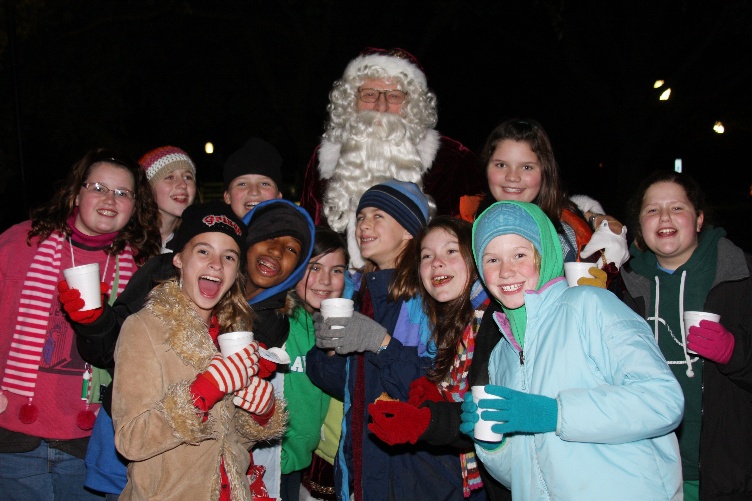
{"x":209,"y":148}
{"x":719,"y":128}
{"x":665,"y":94}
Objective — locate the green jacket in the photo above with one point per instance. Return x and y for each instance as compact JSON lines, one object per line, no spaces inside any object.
{"x":306,"y":403}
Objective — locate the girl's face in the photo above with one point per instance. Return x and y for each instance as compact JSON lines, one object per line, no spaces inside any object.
{"x":509,"y":269}
{"x":208,"y":267}
{"x":101,"y":210}
{"x":175,"y":192}
{"x":670,"y":224}
{"x":380,"y":237}
{"x":442,"y":268}
{"x":514,"y":172}
{"x":324,"y":279}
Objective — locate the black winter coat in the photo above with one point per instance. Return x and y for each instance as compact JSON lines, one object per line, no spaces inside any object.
{"x":726,"y":435}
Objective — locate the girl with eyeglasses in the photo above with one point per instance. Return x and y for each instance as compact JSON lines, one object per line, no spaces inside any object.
{"x":105,"y":214}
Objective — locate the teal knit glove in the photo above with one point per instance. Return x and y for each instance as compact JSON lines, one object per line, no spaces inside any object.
{"x":519,"y":412}
{"x":469,"y":416}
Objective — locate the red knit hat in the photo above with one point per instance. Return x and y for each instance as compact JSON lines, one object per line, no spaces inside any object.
{"x":161,"y":161}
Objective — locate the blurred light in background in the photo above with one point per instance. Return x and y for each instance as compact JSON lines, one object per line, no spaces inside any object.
{"x":658,"y":84}
{"x":209,"y":148}
{"x":678,"y":165}
{"x":665,"y":95}
{"x":719,"y":128}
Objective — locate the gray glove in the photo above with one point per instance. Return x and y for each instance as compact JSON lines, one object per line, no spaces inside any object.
{"x":358,"y":333}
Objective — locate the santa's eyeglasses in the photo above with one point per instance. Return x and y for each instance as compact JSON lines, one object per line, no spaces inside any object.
{"x":373,"y":95}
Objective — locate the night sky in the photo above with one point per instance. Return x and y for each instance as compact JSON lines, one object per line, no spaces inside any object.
{"x":135,"y":75}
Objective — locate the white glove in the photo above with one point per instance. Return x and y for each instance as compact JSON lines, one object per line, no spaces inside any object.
{"x":613,"y":245}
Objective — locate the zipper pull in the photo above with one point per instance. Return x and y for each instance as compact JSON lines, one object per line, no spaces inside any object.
{"x":522,"y":357}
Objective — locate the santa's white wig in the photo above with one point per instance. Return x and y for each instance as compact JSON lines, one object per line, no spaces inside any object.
{"x":361,"y":149}
{"x":395,"y":66}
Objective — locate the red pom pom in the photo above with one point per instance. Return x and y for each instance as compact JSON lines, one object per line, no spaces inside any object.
{"x":28,"y":413}
{"x":85,"y":420}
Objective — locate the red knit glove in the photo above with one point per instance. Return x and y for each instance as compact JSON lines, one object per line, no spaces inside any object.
{"x":266,"y":367}
{"x":421,"y":390}
{"x":72,"y":303}
{"x":712,"y":341}
{"x":257,"y":398}
{"x":398,"y":422}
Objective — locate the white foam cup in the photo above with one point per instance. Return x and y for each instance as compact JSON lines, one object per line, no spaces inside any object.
{"x":693,"y":318}
{"x":85,"y":279}
{"x":482,"y":430}
{"x":337,"y":307}
{"x":576,"y":270}
{"x":233,"y":342}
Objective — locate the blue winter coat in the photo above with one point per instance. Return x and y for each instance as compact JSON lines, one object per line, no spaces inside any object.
{"x":618,"y":401}
{"x":389,"y":472}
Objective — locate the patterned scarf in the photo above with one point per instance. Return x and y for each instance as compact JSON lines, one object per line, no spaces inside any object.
{"x":37,"y":297}
{"x":454,"y":387}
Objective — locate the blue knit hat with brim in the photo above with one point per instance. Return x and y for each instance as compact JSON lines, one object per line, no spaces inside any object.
{"x":402,"y":200}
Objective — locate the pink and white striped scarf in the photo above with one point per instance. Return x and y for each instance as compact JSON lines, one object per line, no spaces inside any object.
{"x":37,"y":296}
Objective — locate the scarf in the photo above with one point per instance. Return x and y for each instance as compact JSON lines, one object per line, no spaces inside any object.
{"x":35,"y":304}
{"x":455,"y":385}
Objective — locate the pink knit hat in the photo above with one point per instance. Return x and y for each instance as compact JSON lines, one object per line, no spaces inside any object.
{"x":161,"y":161}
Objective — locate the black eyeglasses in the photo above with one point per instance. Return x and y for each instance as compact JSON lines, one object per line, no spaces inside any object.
{"x":103,"y":190}
{"x":373,"y":95}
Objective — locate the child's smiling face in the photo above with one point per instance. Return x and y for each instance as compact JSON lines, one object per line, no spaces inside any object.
{"x":270,"y":262}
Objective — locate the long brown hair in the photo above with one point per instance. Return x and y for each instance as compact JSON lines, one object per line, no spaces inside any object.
{"x":233,"y":311}
{"x":141,"y":231}
{"x":552,"y":198}
{"x":448,"y":320}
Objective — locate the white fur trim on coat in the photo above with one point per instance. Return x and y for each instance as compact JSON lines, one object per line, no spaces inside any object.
{"x":396,"y":66}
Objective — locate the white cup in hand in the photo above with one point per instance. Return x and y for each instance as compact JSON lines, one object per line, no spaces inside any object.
{"x":693,"y":318}
{"x":85,"y":279}
{"x":233,"y":342}
{"x":337,"y":307}
{"x":482,"y":430}
{"x":577,"y":270}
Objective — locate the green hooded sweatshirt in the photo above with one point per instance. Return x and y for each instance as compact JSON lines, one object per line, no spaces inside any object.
{"x":697,"y":276}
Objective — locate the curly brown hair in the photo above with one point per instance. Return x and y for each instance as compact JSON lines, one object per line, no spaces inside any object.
{"x":141,"y":231}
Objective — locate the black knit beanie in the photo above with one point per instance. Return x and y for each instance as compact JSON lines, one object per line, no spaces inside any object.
{"x":255,"y":157}
{"x":275,"y":220}
{"x":214,"y":216}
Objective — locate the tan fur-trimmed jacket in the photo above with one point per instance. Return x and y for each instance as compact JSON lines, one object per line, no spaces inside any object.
{"x":172,"y":454}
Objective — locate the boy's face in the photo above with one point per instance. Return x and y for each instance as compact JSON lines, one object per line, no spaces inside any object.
{"x":270,"y":262}
{"x":380,"y":237}
{"x":247,"y":191}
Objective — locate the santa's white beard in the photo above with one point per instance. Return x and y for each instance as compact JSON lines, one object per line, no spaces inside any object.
{"x":378,"y":149}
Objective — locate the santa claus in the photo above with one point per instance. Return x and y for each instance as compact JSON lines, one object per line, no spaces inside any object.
{"x":381,"y":126}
